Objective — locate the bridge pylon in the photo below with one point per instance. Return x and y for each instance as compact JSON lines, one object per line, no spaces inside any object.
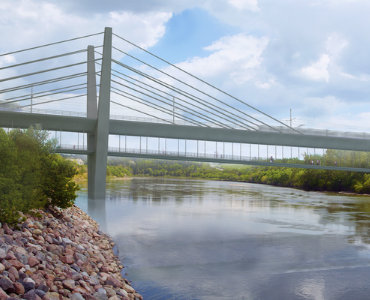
{"x":98,"y":140}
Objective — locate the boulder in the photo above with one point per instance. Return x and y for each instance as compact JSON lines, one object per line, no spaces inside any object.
{"x":19,"y":288}
{"x":6,"y":284}
{"x":52,"y":295}
{"x":40,"y":293}
{"x":31,"y":295}
{"x":110,"y":292}
{"x":69,"y":284}
{"x":3,"y":295}
{"x":2,"y":254}
{"x":33,"y":261}
{"x":100,"y":296}
{"x":77,"y":296}
{"x":2,"y":268}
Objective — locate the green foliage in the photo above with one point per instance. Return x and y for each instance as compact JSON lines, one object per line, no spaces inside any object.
{"x":57,"y":183}
{"x":30,"y":176}
{"x":307,"y":179}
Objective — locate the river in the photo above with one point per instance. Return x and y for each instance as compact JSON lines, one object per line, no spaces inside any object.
{"x":192,"y":239}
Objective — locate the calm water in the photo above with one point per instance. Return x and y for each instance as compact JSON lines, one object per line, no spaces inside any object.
{"x":182,"y":239}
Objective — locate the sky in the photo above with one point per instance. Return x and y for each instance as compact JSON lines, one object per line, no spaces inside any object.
{"x":310,"y":56}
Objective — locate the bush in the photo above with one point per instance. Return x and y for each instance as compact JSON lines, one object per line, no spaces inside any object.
{"x":30,"y":176}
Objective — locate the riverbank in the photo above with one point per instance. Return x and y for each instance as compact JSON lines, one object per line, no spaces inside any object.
{"x":60,"y":254}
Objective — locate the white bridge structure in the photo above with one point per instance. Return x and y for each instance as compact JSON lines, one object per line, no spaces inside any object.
{"x":193,"y":113}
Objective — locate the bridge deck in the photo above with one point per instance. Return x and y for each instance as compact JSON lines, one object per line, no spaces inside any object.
{"x":228,"y":159}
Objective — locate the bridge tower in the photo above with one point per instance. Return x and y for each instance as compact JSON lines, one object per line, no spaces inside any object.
{"x":98,"y":140}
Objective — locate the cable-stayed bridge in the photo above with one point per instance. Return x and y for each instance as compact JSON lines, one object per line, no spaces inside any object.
{"x":165,"y":102}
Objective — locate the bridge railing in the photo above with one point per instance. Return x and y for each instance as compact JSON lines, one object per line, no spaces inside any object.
{"x":348,"y":161}
{"x":46,"y":111}
{"x":306,"y":131}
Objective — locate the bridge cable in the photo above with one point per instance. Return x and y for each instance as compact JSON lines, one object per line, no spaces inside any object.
{"x":46,"y":58}
{"x":167,"y":121}
{"x":38,"y":83}
{"x":38,"y":93}
{"x":183,"y":93}
{"x":201,"y":81}
{"x":162,"y":109}
{"x":54,"y":100}
{"x":47,"y":70}
{"x":194,"y":88}
{"x":156,"y":108}
{"x":46,"y":95}
{"x":238,"y":124}
{"x":81,"y":37}
{"x":220,"y":124}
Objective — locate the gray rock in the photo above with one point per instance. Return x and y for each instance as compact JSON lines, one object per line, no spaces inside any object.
{"x":102,"y":291}
{"x":55,"y":241}
{"x":30,"y":295}
{"x":77,"y":268}
{"x":4,"y":246}
{"x":28,"y":286}
{"x":22,"y":258}
{"x":8,"y":239}
{"x":23,"y":240}
{"x":100,"y":296}
{"x":22,"y":276}
{"x":43,"y":288}
{"x":77,"y":296}
{"x":66,"y":240}
{"x":6,"y":283}
{"x":40,"y":293}
{"x":81,"y":257}
{"x":5,"y":273}
{"x":2,"y":254}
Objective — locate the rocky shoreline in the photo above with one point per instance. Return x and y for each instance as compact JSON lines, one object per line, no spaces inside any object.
{"x":60,"y":254}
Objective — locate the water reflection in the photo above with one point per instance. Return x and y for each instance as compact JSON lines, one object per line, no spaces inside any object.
{"x":219,"y":240}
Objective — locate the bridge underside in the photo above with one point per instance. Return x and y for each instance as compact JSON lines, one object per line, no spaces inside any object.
{"x":171,"y":131}
{"x":219,"y":160}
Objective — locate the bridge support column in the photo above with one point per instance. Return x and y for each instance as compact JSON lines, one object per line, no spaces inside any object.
{"x":97,"y":162}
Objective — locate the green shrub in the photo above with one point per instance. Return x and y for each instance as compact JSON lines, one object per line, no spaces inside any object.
{"x":30,"y":176}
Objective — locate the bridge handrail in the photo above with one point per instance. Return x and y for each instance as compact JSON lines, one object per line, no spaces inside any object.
{"x":306,"y":131}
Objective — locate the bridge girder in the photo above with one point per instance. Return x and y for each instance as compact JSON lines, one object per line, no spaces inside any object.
{"x":118,"y":127}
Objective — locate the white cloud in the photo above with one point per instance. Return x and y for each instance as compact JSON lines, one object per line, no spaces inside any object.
{"x":245,"y":5}
{"x":318,"y":70}
{"x":265,"y":85}
{"x":236,"y":56}
{"x":335,"y":44}
{"x":29,"y":23}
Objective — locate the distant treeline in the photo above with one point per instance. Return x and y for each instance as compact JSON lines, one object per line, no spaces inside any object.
{"x":307,"y":179}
